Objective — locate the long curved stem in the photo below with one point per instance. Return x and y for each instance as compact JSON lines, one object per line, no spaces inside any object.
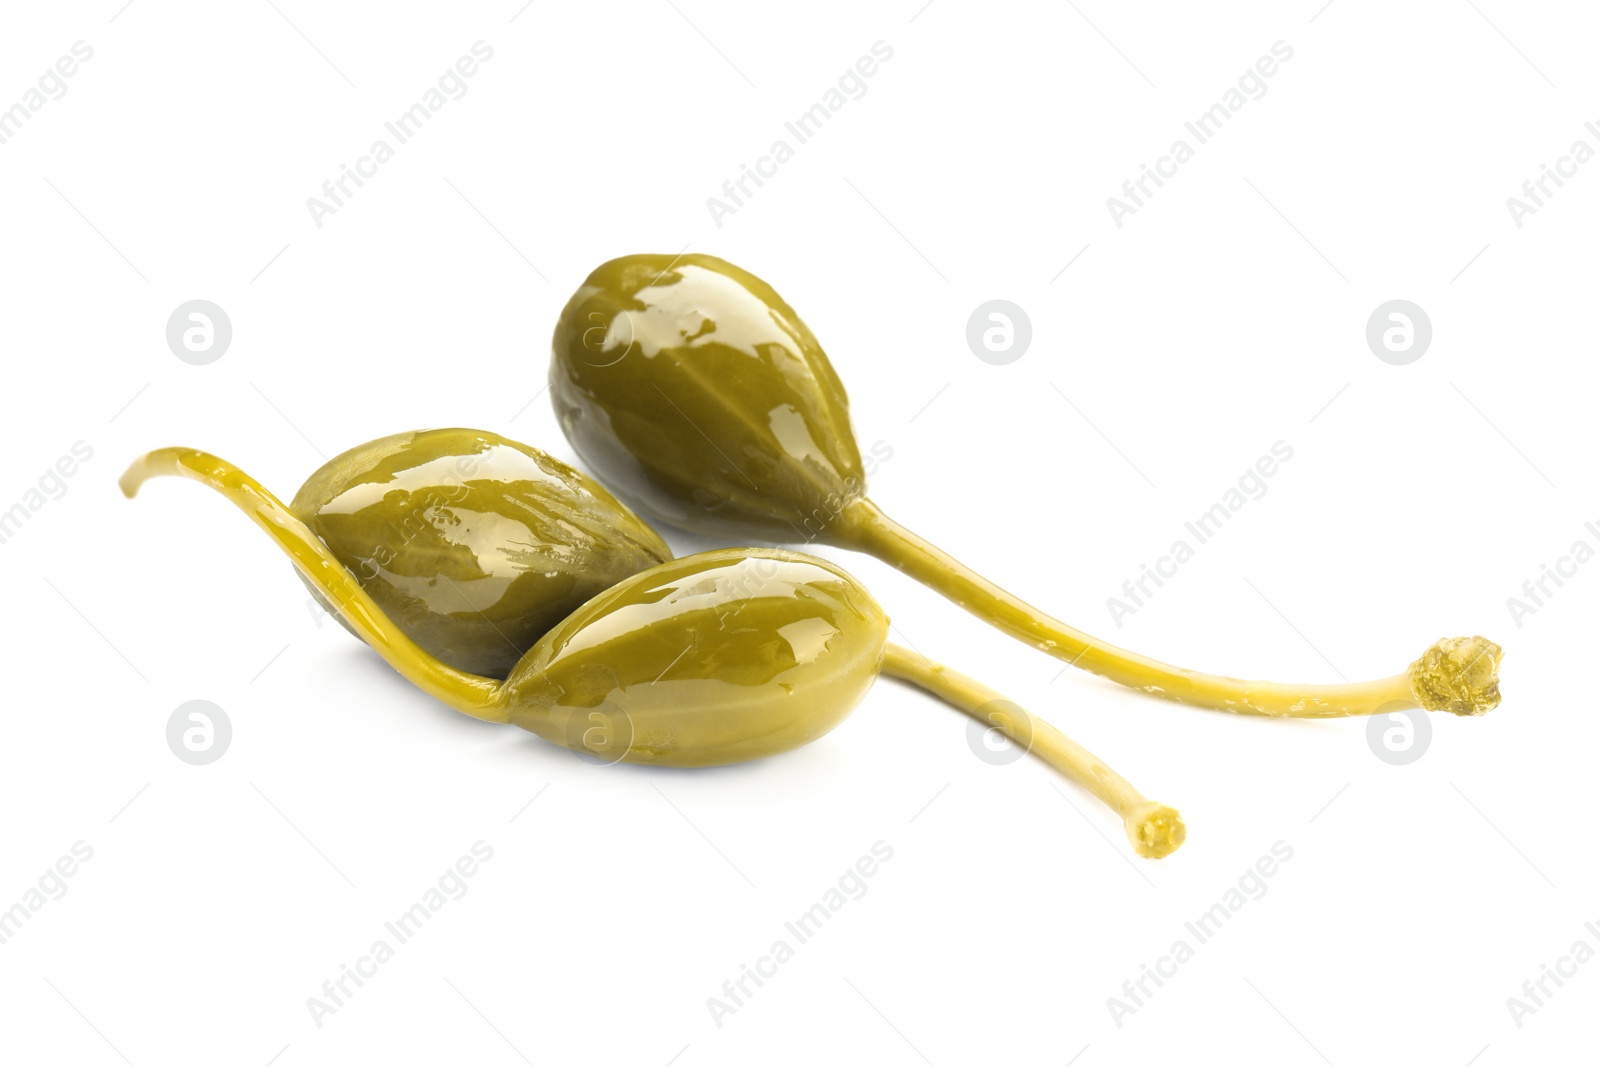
{"x":468,"y":693}
{"x":1154,"y":829}
{"x":1457,"y":674}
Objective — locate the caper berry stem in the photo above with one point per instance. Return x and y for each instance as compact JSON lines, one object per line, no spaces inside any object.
{"x":1456,"y":674}
{"x":1154,"y":829}
{"x":472,"y":694}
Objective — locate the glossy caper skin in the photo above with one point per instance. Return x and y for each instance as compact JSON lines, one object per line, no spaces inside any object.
{"x":692,"y":390}
{"x":475,"y":545}
{"x":714,"y":658}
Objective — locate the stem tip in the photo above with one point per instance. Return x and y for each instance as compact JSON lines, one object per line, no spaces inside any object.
{"x":1460,"y":675}
{"x":1155,"y":829}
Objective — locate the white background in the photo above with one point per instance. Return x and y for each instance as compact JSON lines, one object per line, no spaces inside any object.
{"x":1226,"y":315}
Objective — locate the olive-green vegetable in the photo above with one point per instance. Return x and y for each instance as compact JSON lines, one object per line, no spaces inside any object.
{"x":475,"y":545}
{"x":715,"y":658}
{"x":700,"y":397}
